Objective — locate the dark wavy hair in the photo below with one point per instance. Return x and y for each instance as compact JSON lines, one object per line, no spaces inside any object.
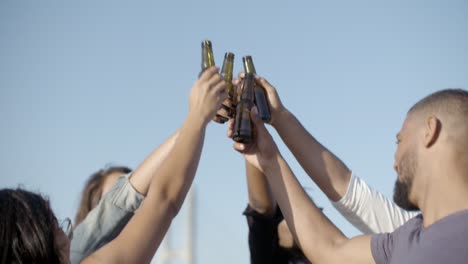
{"x":27,"y":228}
{"x":92,"y":192}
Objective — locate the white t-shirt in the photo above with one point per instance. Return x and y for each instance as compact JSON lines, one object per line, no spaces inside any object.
{"x":369,"y":210}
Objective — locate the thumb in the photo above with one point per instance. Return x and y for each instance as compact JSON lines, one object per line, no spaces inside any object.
{"x":258,"y":122}
{"x":270,"y":90}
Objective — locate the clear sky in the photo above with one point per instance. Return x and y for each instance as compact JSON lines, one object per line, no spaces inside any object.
{"x":88,"y":83}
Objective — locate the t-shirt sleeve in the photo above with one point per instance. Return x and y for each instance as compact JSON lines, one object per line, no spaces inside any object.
{"x":382,"y":247}
{"x":263,"y":238}
{"x":369,"y":210}
{"x":106,"y":220}
{"x":385,"y":246}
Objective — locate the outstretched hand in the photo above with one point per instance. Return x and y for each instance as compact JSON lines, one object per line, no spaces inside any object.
{"x":207,"y":94}
{"x":274,"y":103}
{"x":262,"y":149}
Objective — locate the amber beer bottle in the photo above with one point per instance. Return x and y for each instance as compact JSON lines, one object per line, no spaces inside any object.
{"x":226,"y":73}
{"x":207,"y":61}
{"x":243,"y":124}
{"x":260,"y":94}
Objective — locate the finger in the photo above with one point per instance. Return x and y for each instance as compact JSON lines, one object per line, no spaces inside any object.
{"x":220,"y":88}
{"x":216,"y":79}
{"x":254,"y":116}
{"x":270,"y":90}
{"x":208,"y":73}
{"x":231,"y":124}
{"x":258,"y":122}
{"x":239,"y":147}
{"x":238,"y":88}
{"x":219,"y":119}
{"x":223,"y":97}
{"x":230,"y":130}
{"x":229,"y":104}
{"x":223,"y":111}
{"x":238,"y":85}
{"x":263,"y":82}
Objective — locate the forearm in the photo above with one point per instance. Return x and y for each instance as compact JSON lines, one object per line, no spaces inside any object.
{"x":260,"y":197}
{"x":141,"y":177}
{"x":313,"y":232}
{"x":325,"y":169}
{"x":174,"y":177}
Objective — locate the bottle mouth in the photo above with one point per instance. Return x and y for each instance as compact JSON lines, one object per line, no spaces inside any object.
{"x":229,"y":55}
{"x":248,"y":64}
{"x":206,"y":43}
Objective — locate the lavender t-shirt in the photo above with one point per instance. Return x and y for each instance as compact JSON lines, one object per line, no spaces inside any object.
{"x":445,"y":241}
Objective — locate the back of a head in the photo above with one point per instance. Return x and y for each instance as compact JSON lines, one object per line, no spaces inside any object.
{"x":450,"y":106}
{"x":27,"y":228}
{"x":92,"y":192}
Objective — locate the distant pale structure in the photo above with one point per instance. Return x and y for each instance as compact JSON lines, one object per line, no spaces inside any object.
{"x":170,"y":254}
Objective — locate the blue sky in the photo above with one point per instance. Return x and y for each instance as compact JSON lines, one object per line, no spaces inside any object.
{"x":88,"y":83}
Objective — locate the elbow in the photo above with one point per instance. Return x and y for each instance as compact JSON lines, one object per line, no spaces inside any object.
{"x":169,"y":203}
{"x":266,"y":210}
{"x":338,"y":242}
{"x":329,"y":251}
{"x":168,"y":195}
{"x":172,"y":208}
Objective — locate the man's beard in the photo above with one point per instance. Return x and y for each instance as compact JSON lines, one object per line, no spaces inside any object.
{"x":402,"y":189}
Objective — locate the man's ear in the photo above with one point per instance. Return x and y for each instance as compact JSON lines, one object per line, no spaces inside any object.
{"x":432,"y":130}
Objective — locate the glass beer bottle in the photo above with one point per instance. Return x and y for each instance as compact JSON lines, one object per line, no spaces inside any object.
{"x":207,"y":61}
{"x":260,"y":94}
{"x":243,"y":124}
{"x":226,"y":73}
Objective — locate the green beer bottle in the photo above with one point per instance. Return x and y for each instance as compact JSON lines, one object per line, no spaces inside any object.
{"x":243,"y":124}
{"x":260,"y":94}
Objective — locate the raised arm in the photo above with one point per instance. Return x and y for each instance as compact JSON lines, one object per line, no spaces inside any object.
{"x":324,"y":168}
{"x":319,"y":239}
{"x":262,"y":220}
{"x":141,"y":177}
{"x":366,"y":208}
{"x":260,"y":197}
{"x":170,"y":182}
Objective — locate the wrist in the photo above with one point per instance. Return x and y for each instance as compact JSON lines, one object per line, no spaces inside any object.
{"x":196,"y":120}
{"x":281,"y":117}
{"x":270,"y":164}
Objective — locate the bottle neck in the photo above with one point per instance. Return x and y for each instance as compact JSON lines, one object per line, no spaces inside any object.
{"x":248,"y":65}
{"x":207,"y":59}
{"x":248,"y":87}
{"x":207,"y":55}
